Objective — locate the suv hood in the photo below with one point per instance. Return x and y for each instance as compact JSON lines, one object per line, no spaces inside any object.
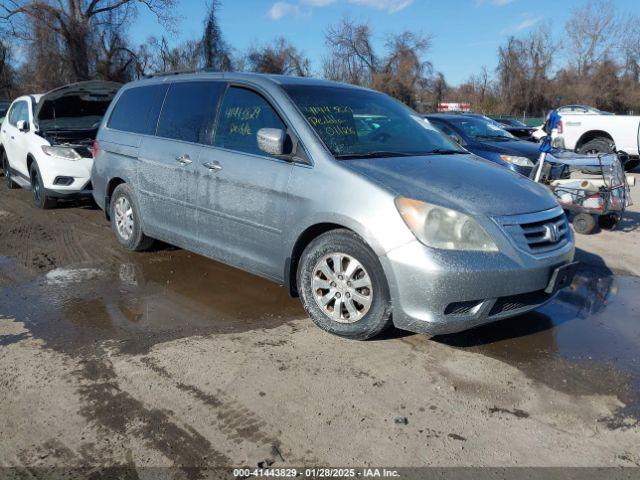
{"x":463,"y":182}
{"x":92,"y":91}
{"x":76,"y":107}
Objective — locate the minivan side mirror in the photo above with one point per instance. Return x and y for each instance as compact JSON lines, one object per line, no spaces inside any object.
{"x":22,"y":125}
{"x":271,"y":140}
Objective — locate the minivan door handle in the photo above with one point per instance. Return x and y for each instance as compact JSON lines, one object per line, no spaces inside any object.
{"x":212,"y":166}
{"x":184,"y":159}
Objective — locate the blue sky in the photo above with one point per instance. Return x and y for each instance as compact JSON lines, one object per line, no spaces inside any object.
{"x":466,"y":33}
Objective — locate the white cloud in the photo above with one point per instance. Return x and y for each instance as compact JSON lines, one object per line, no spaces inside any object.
{"x":497,"y":3}
{"x":525,"y":24}
{"x":318,"y":3}
{"x":391,"y":6}
{"x":298,"y":8}
{"x":282,"y":9}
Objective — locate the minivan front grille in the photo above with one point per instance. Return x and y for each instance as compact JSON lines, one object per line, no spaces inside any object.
{"x":538,"y":233}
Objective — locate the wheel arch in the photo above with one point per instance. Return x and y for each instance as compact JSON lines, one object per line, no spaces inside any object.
{"x":30,"y":160}
{"x":111,"y":186}
{"x":304,"y":239}
{"x":591,"y":135}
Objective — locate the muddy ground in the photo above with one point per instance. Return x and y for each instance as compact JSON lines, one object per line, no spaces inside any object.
{"x":169,"y":359}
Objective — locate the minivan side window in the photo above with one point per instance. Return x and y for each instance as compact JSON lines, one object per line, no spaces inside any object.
{"x":189,"y":111}
{"x":242,"y":114}
{"x":20,"y":111}
{"x":137,"y":109}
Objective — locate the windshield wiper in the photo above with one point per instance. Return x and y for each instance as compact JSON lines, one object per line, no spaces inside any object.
{"x":494,"y":137}
{"x":445,"y":151}
{"x":374,"y":154}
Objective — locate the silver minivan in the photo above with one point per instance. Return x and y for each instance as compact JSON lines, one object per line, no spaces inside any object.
{"x":349,"y":198}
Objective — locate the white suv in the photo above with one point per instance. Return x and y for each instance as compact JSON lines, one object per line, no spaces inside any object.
{"x":46,"y":140}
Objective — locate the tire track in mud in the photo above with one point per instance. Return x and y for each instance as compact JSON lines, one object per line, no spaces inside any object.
{"x":116,"y":411}
{"x":44,"y":240}
{"x":233,"y":419}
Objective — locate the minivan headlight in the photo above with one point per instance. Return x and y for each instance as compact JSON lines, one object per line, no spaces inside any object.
{"x":444,"y":228}
{"x":68,"y":153}
{"x":520,"y":161}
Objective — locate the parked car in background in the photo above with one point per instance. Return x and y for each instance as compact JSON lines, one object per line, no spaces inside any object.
{"x":580,"y":110}
{"x":516,"y":128}
{"x":46,"y":140}
{"x":588,"y":130}
{"x":341,"y":193}
{"x":485,"y":138}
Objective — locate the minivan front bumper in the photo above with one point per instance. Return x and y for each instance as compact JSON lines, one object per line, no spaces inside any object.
{"x":437,"y":292}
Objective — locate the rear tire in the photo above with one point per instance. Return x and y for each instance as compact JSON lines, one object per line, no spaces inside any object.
{"x":597,"y":145}
{"x":11,"y":185}
{"x":38,"y":193}
{"x":354,"y":281}
{"x":584,"y":223}
{"x":125,"y":220}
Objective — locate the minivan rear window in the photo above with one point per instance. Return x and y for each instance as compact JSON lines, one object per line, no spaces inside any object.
{"x":137,"y":109}
{"x":189,"y":111}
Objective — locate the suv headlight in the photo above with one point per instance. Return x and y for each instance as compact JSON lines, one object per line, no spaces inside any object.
{"x":520,"y":161}
{"x":68,"y":153}
{"x":440,"y":227}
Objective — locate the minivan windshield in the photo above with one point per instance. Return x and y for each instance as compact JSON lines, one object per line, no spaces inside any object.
{"x":355,"y":123}
{"x":480,"y":129}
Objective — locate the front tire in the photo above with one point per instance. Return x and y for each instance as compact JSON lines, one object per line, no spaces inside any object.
{"x":343,"y":287}
{"x":38,"y":193}
{"x":11,"y":185}
{"x":125,"y":220}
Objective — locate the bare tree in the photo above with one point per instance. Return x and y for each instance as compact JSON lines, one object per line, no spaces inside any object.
{"x":351,"y":56}
{"x":593,"y":33}
{"x":402,"y":72}
{"x":524,"y":66}
{"x":45,"y":66}
{"x":279,"y":58}
{"x":439,"y":89}
{"x":75,"y":22}
{"x":630,"y":50}
{"x":214,"y":49}
{"x":158,"y":56}
{"x":7,"y":72}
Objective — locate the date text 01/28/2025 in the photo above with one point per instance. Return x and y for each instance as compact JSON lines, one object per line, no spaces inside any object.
{"x":315,"y":472}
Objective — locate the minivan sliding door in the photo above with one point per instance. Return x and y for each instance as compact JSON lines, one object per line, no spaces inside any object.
{"x":169,"y":164}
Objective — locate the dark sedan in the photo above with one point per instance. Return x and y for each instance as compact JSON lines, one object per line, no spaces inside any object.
{"x":516,"y":128}
{"x":487,"y":139}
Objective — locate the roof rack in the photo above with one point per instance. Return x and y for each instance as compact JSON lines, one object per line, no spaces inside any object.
{"x":170,"y":73}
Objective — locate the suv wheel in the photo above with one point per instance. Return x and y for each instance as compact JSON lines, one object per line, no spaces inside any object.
{"x":38,"y":192}
{"x":125,"y":220}
{"x":7,"y":172}
{"x":597,"y":145}
{"x":343,"y":287}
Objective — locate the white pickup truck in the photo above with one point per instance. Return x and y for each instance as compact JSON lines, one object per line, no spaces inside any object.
{"x":588,"y":130}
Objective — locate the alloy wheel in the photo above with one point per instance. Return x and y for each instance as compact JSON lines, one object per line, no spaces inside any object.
{"x":342,"y":288}
{"x":124,"y":218}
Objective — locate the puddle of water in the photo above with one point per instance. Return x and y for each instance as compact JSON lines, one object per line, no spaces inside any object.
{"x":65,"y":276}
{"x":587,"y":341}
{"x":154,"y":298}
